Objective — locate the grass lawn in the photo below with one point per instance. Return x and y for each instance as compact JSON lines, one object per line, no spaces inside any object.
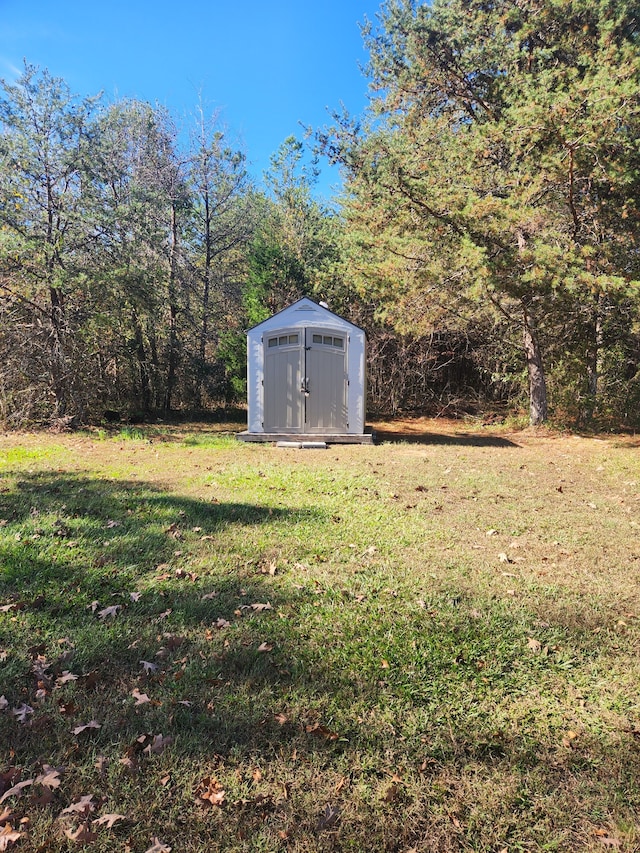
{"x":426,"y":645}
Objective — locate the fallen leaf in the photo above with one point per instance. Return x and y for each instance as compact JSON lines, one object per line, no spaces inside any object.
{"x":94,"y":724}
{"x":329,"y":817}
{"x":108,"y":820}
{"x":41,"y":798}
{"x":608,"y":841}
{"x":265,"y":647}
{"x":211,"y":791}
{"x":135,"y":596}
{"x":504,"y":558}
{"x":208,"y":596}
{"x":50,"y":778}
{"x":22,"y":712}
{"x":8,"y":836}
{"x":172,"y":641}
{"x":158,"y":744}
{"x":141,"y":698}
{"x":391,"y":794}
{"x":281,"y":719}
{"x":129,"y":764}
{"x":148,"y":667}
{"x":221,"y":623}
{"x":260,"y":607}
{"x":83,"y":806}
{"x":16,"y":790}
{"x":4,"y":704}
{"x":82,"y":834}
{"x":65,"y":678}
{"x":110,"y":612}
{"x":158,"y":846}
{"x":318,"y":730}
{"x":534,"y":645}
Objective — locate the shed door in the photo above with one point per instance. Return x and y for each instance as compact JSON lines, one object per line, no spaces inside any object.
{"x":283,"y":374}
{"x":305,"y":381}
{"x":326,"y":380}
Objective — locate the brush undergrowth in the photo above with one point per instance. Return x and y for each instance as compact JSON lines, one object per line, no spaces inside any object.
{"x":426,"y":646}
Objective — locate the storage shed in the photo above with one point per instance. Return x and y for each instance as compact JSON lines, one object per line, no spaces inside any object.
{"x":306,"y":377}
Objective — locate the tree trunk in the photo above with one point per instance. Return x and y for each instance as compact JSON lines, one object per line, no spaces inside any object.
{"x":58,"y":361}
{"x":172,"y":357}
{"x":538,"y":410}
{"x":143,"y":367}
{"x":204,"y":329}
{"x":594,"y":361}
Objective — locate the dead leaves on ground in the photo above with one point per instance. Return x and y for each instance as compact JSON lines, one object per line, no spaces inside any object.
{"x":42,"y":789}
{"x":210,"y":792}
{"x":8,"y":835}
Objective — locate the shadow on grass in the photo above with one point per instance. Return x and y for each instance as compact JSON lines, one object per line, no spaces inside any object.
{"x":458,"y":439}
{"x":247,"y":670}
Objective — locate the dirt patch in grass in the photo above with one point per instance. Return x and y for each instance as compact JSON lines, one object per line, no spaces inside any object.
{"x":428,"y":644}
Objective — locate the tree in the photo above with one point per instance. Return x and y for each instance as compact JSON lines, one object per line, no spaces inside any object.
{"x":499,"y":168}
{"x":222,"y":223}
{"x":44,"y":156}
{"x":136,"y":197}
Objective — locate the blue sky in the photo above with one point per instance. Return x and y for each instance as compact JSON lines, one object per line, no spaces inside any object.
{"x":265,"y":65}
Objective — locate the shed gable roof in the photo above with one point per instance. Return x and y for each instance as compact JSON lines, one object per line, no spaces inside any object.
{"x":301,"y":310}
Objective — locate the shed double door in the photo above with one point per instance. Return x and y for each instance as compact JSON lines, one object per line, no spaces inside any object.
{"x":305,"y":381}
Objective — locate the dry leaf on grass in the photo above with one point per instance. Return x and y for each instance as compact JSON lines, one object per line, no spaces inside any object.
{"x":8,"y":836}
{"x":16,"y":790}
{"x":329,"y":817}
{"x":108,"y":820}
{"x":211,"y":791}
{"x":141,"y":698}
{"x":94,"y":724}
{"x":110,"y":612}
{"x":265,"y":647}
{"x":158,"y":846}
{"x":82,"y":834}
{"x":320,"y":731}
{"x":22,"y":712}
{"x":158,"y":744}
{"x":83,"y":806}
{"x":50,"y":777}
{"x":65,"y":678}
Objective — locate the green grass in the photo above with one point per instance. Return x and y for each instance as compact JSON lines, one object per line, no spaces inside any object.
{"x":448,"y":660}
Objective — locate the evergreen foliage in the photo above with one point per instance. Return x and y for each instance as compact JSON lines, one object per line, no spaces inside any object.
{"x":498,"y":173}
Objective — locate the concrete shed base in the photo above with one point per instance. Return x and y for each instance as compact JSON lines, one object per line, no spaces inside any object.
{"x":368,"y":437}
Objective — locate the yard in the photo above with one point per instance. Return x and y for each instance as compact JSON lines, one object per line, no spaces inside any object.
{"x":426,"y":645}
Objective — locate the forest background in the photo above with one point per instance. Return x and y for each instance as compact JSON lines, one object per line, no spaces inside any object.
{"x":486,"y":237}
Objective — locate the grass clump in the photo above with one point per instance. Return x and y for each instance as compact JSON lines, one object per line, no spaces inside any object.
{"x":416,"y":646}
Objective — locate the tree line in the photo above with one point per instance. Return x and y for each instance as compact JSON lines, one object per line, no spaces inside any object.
{"x":486,"y":236}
